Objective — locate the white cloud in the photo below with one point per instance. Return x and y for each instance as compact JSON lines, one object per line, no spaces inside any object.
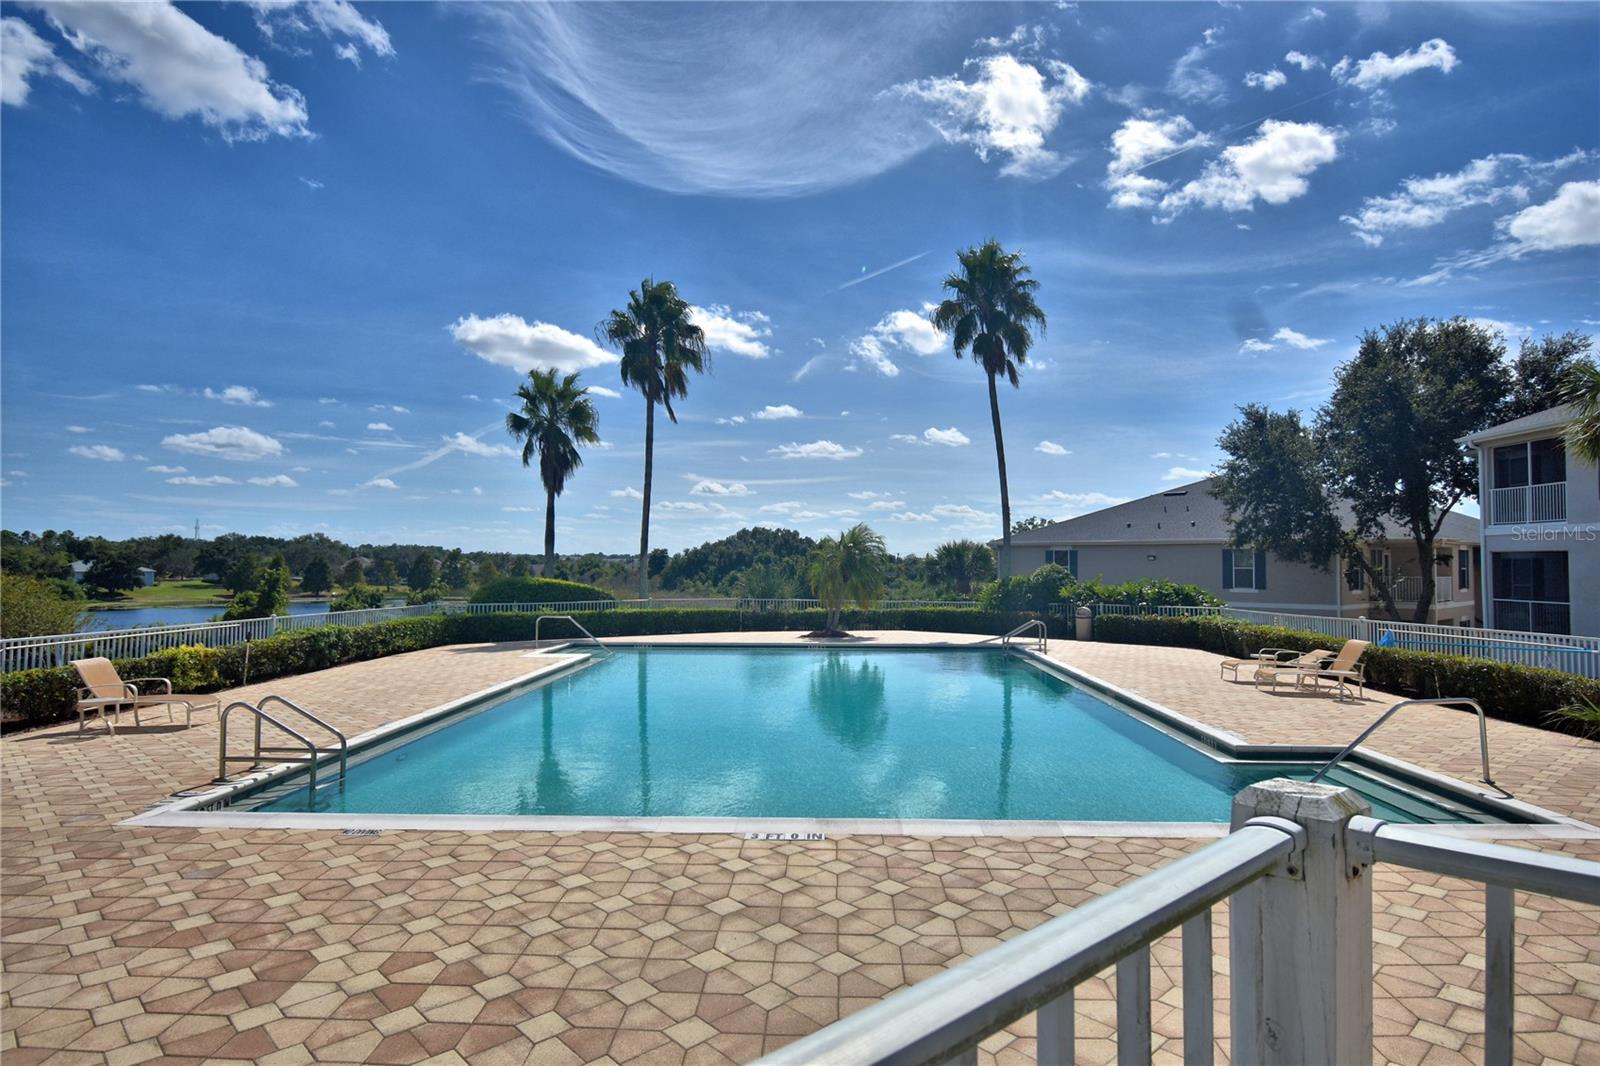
{"x":164,"y":469}
{"x":601,"y":390}
{"x":1271,"y":167}
{"x":519,"y":510}
{"x":1010,"y":108}
{"x":628,"y":492}
{"x":912,"y":516}
{"x":465,"y":442}
{"x":1065,"y":504}
{"x":338,"y":20}
{"x":226,"y":442}
{"x":1050,"y":447}
{"x":1139,"y":143}
{"x":509,"y":340}
{"x":1296,"y":339}
{"x":787,"y":507}
{"x":708,"y":487}
{"x":325,"y":424}
{"x":1570,"y":219}
{"x":396,"y":408}
{"x":961,"y":513}
{"x":902,"y":330}
{"x":1266,"y":80}
{"x":905,"y":438}
{"x":181,"y":69}
{"x":886,"y":505}
{"x":739,"y":332}
{"x":1190,"y":79}
{"x":28,"y":56}
{"x":276,"y":481}
{"x":380,"y":483}
{"x":214,"y":479}
{"x":736,"y":420}
{"x":1379,"y":67}
{"x":1508,"y":329}
{"x":379,"y":427}
{"x":104,"y":453}
{"x":775,"y":412}
{"x":1301,"y":60}
{"x":798,"y":93}
{"x":1423,"y":202}
{"x":239,"y":395}
{"x":78,"y":429}
{"x":1255,"y":345}
{"x":1184,"y":473}
{"x":817,"y":449}
{"x":950,"y":438}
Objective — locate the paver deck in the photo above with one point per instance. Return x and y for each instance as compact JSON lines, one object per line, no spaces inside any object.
{"x":124,"y":944}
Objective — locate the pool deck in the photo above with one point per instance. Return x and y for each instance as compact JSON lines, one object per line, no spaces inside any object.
{"x":127,"y":944}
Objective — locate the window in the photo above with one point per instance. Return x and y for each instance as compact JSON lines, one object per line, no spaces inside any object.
{"x":1463,"y":569}
{"x":1531,"y":576}
{"x":1243,"y":569}
{"x":1539,"y":462}
{"x":1355,"y":578}
{"x":1067,"y":557}
{"x":1511,"y":466}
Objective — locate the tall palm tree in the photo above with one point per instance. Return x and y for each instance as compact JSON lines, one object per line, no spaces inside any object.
{"x":991,"y":310}
{"x":1581,"y":388}
{"x":659,"y":346}
{"x":849,"y":567}
{"x":963,"y":563}
{"x":556,"y":416}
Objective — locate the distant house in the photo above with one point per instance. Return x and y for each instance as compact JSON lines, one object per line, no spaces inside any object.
{"x":1183,"y":535}
{"x":80,"y":570}
{"x":147,"y":576}
{"x":1541,"y":526}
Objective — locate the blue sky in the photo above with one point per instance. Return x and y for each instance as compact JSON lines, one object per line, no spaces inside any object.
{"x":277,"y":267}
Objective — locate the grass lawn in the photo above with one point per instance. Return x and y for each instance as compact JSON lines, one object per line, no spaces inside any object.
{"x":169,"y":594}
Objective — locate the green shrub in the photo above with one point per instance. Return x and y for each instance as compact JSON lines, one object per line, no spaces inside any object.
{"x":35,"y":607}
{"x":358,"y":597}
{"x":1524,"y":694}
{"x":537,"y":590}
{"x":1156,"y":591}
{"x":1038,"y":591}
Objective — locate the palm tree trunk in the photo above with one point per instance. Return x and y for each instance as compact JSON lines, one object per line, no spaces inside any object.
{"x":644,"y":521}
{"x":1005,"y":493}
{"x":549,"y":533}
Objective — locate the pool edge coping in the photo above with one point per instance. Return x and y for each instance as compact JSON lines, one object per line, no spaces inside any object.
{"x":190,"y":810}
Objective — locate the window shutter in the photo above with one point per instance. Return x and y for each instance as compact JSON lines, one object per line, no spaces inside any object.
{"x":1261,"y":570}
{"x":1072,"y":562}
{"x":1227,"y":568}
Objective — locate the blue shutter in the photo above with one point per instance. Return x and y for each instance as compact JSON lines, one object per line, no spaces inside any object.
{"x":1072,"y":562}
{"x":1227,"y":568}
{"x":1261,"y":570}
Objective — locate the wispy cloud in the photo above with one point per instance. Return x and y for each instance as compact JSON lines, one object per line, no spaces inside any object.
{"x":868,"y":275}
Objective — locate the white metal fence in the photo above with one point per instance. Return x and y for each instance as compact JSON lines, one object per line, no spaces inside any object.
{"x":1300,"y":947}
{"x":26,"y":653}
{"x":1570,"y":654}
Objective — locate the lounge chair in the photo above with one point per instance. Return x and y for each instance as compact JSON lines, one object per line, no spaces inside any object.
{"x":105,"y":693}
{"x":1273,"y":655}
{"x":1342,"y":670}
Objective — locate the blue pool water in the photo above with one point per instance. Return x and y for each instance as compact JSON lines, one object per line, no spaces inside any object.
{"x":813,"y":734}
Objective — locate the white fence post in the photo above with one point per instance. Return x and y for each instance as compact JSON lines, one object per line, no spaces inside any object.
{"x":1301,"y":940}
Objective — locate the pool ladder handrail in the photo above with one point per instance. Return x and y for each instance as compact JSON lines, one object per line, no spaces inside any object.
{"x":344,"y":741}
{"x":537,"y":622}
{"x":1448,"y":701}
{"x":1042,"y":640}
{"x":313,"y":754}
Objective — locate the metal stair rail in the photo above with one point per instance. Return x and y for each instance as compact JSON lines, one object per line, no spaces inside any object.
{"x":1450,"y":701}
{"x":344,"y":741}
{"x":1040,"y":642}
{"x":537,"y":622}
{"x":309,"y":754}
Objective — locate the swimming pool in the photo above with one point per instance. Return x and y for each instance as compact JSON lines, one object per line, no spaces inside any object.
{"x":816,"y":734}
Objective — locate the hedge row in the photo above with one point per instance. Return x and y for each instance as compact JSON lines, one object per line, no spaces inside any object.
{"x":1525,"y":694}
{"x":37,"y":697}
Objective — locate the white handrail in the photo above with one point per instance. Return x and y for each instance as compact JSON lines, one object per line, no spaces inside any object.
{"x":537,"y":622}
{"x":1042,"y":641}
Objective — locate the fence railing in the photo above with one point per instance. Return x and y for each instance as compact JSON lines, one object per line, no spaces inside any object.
{"x":1528,"y":503}
{"x":26,"y":653}
{"x":1571,"y":654}
{"x":1535,"y":616}
{"x":1296,"y":873}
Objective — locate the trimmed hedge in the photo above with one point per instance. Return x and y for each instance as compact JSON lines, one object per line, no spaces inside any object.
{"x":38,"y":697}
{"x":1525,"y":694}
{"x":537,"y":590}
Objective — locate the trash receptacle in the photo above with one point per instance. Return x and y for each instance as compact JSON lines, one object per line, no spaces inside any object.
{"x":1085,"y":624}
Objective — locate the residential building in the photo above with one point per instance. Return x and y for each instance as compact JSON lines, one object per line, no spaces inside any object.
{"x":147,"y":576}
{"x":1541,"y":526}
{"x":80,"y":570}
{"x":1182,"y":534}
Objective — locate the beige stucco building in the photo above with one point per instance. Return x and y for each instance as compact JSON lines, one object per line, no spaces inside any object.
{"x":1541,"y":527}
{"x":1182,"y":534}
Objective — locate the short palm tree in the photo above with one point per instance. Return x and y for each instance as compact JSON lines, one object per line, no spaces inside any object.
{"x":659,"y":346}
{"x":847,"y":568}
{"x":555,"y":417}
{"x":1581,"y":388}
{"x":990,"y":309}
{"x":963,"y":563}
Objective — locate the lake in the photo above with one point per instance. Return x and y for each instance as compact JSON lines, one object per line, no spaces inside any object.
{"x":171,"y":616}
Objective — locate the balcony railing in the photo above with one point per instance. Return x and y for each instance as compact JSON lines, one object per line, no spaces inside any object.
{"x":1300,"y":944}
{"x":1522,"y":504}
{"x":1408,"y":588}
{"x":1533,"y":616}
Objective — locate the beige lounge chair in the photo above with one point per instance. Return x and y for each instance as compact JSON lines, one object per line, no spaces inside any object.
{"x":1285,"y":656}
{"x":1342,"y":670}
{"x":105,"y":693}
